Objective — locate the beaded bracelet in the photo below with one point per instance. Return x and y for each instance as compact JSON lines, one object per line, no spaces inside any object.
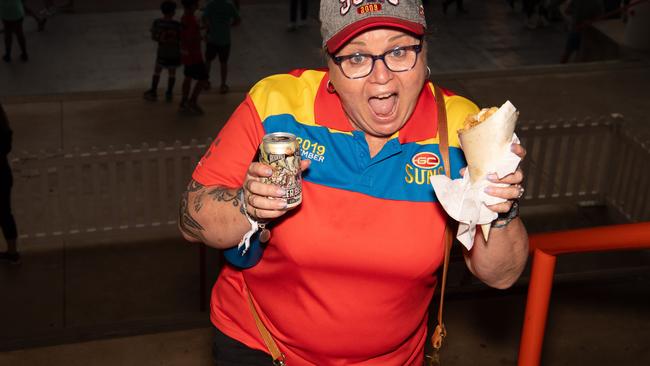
{"x":504,"y":218}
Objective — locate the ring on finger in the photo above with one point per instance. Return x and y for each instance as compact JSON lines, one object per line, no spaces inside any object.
{"x":248,"y":185}
{"x":521,"y":192}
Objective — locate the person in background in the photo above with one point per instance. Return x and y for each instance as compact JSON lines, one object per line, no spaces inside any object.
{"x":579,"y":13}
{"x":167,"y":33}
{"x":364,"y":245}
{"x":294,"y":23}
{"x":7,"y":221}
{"x":460,"y":9}
{"x":534,"y":14}
{"x":219,"y":16}
{"x":12,"y":13}
{"x":192,"y":59}
{"x":40,"y":19}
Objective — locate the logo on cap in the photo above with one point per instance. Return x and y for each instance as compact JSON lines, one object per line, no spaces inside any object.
{"x":347,"y":4}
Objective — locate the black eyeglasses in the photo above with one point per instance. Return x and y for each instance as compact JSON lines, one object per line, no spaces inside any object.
{"x":360,"y":65}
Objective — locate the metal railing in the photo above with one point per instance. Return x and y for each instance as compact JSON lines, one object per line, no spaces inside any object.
{"x":136,"y":189}
{"x":84,"y":193}
{"x":568,"y":160}
{"x":546,"y":247}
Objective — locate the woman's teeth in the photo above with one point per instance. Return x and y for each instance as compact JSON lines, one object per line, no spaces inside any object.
{"x":383,"y":105}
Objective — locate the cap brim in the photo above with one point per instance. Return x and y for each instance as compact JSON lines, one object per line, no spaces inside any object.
{"x":349,"y":32}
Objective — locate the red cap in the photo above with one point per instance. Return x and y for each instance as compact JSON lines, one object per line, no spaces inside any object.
{"x":358,"y":27}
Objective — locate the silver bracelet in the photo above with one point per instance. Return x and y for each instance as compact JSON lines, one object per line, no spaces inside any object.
{"x":504,"y":218}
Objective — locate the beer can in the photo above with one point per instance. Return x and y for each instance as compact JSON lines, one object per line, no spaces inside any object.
{"x":281,"y":151}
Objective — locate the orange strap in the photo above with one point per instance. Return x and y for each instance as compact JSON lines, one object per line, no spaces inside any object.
{"x":278,"y":357}
{"x":440,"y":331}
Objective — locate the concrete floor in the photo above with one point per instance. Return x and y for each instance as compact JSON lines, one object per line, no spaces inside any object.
{"x":605,"y":323}
{"x":113,"y":50}
{"x":122,"y":301}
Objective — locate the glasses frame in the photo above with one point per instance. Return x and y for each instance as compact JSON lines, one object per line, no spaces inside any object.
{"x":339,"y":59}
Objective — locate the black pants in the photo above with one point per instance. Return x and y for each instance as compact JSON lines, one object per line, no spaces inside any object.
{"x":7,"y":221}
{"x":530,"y":7}
{"x":229,"y":352}
{"x":294,"y":10}
{"x":14,"y":27}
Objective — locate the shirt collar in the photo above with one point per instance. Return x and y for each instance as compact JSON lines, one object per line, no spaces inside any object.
{"x":328,"y":112}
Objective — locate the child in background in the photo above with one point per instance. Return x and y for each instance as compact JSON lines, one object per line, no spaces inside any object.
{"x":167,"y":32}
{"x":192,"y":58}
{"x":12,"y":14}
{"x":219,"y":16}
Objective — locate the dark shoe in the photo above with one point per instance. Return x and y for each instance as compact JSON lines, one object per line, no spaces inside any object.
{"x":169,"y":97}
{"x":41,"y":24}
{"x":12,"y":258}
{"x":6,"y":58}
{"x":224,"y":89}
{"x":184,"y":107}
{"x":195,"y":109}
{"x":150,"y":95}
{"x":24,"y":57}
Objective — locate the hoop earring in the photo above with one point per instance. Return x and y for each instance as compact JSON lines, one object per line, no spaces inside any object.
{"x":428,"y":72}
{"x":330,"y":87}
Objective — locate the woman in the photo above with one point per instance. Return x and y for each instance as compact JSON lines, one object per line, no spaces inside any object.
{"x":12,"y":13}
{"x":347,"y":276}
{"x":7,"y":222}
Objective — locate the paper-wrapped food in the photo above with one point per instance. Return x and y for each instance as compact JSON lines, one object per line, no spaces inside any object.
{"x":485,"y":140}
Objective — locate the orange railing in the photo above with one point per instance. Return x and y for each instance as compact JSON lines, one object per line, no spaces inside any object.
{"x":546,"y":247}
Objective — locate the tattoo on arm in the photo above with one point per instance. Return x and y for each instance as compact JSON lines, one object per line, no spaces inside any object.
{"x":242,"y":207}
{"x":188,"y":223}
{"x":224,"y":195}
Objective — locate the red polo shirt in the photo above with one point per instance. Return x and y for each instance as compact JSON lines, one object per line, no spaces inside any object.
{"x":347,"y":277}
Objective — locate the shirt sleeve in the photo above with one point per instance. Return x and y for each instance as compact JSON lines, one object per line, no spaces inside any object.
{"x":231,"y":153}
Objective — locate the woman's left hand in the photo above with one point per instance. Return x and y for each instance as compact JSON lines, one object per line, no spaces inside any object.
{"x":514,"y":190}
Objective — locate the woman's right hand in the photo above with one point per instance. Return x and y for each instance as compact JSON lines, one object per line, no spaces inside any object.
{"x":265,"y":202}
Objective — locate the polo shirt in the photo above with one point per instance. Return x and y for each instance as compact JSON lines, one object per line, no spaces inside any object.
{"x":219,"y":15}
{"x":11,"y":10}
{"x":347,"y":276}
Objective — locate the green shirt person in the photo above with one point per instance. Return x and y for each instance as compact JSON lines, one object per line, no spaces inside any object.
{"x":218,"y":17}
{"x":11,"y":10}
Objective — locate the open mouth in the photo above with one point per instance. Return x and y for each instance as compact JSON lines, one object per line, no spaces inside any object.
{"x":383,"y":105}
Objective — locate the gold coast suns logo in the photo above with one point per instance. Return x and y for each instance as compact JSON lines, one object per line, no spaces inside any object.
{"x":421,"y":167}
{"x":370,"y":5}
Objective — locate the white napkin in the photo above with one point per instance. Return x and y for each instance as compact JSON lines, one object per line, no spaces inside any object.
{"x":467,"y":203}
